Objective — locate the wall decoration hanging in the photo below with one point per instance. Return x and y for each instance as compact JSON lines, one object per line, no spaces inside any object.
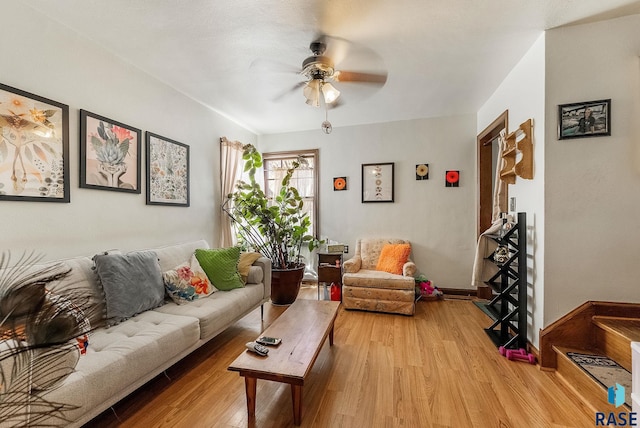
{"x":109,"y":154}
{"x":340,"y":183}
{"x":377,"y":182}
{"x":518,"y":142}
{"x":167,"y":171}
{"x":452,"y":179}
{"x":584,"y":119}
{"x":422,"y":171}
{"x":34,"y":147}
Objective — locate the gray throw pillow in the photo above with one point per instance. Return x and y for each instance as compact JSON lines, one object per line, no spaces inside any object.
{"x":132,"y":283}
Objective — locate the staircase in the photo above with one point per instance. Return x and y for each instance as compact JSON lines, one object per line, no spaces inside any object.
{"x":596,"y":330}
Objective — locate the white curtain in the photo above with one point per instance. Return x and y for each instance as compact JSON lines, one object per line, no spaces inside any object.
{"x":230,"y":173}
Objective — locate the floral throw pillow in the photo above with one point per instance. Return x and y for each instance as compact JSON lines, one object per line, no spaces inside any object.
{"x":187,"y":282}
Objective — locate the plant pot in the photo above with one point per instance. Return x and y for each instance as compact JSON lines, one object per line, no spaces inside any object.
{"x":285,"y":285}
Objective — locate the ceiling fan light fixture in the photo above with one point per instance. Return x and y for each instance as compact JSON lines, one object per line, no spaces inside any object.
{"x":312,"y":92}
{"x":330,"y":93}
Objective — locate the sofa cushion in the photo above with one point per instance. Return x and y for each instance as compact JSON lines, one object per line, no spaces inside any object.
{"x":221,"y":266}
{"x":187,"y":282}
{"x":120,"y":355}
{"x":393,"y":257}
{"x":132,"y":283}
{"x":245,"y":262}
{"x":219,"y":310}
{"x":378,"y":279}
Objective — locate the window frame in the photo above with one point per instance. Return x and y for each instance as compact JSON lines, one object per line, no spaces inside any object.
{"x":293,"y":154}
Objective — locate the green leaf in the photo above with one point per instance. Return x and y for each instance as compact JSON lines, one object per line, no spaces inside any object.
{"x":101,"y":132}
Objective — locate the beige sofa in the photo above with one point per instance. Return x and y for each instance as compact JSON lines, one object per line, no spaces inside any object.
{"x":365,"y":288}
{"x":121,"y":358}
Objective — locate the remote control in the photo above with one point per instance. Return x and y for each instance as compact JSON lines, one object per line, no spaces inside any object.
{"x":257,"y":348}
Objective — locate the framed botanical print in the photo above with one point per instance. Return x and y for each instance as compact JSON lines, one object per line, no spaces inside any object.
{"x":167,"y":171}
{"x":34,"y":147}
{"x":109,"y":154}
{"x":377,"y":182}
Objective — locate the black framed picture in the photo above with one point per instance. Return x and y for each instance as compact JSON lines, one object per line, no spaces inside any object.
{"x":584,"y":119}
{"x":109,"y":154}
{"x":34,"y":147}
{"x":377,"y":182}
{"x":167,"y":171}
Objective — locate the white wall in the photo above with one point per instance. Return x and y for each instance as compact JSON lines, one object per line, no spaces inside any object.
{"x":42,"y":57}
{"x":522,"y":93}
{"x":439,"y":221}
{"x":592,"y":184}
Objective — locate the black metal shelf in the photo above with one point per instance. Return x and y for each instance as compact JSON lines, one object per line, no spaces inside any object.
{"x":508,"y":307}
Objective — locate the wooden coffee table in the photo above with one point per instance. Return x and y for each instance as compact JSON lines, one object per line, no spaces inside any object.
{"x":303,"y":328}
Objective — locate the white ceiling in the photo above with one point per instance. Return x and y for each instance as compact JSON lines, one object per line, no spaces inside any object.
{"x":442,"y":57}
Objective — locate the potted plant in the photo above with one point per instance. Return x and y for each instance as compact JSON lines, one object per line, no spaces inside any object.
{"x":277,"y":229}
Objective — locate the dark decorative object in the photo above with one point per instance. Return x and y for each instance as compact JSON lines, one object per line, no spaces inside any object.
{"x":167,"y":171}
{"x":584,"y":119}
{"x":422,"y":171}
{"x":452,"y":179}
{"x":109,"y":154}
{"x":43,"y":331}
{"x":285,"y":285}
{"x":377,"y":182}
{"x":34,"y":147}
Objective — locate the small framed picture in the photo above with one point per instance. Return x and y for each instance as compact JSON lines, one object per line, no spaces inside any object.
{"x":377,"y":182}
{"x":167,"y":171}
{"x":584,"y":119}
{"x":339,"y":183}
{"x":34,"y":147}
{"x":109,"y":154}
{"x":422,"y":171}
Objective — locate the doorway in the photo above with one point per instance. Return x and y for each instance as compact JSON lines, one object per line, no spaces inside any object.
{"x":487,"y":153}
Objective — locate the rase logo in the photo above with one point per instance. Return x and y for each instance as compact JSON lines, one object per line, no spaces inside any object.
{"x":616,"y":396}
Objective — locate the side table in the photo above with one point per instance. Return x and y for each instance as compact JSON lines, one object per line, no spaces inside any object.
{"x":329,"y":270}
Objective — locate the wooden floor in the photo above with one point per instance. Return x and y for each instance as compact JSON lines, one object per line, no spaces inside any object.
{"x":435,"y":369}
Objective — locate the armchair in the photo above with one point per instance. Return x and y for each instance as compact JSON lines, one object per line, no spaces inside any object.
{"x":365,"y":288}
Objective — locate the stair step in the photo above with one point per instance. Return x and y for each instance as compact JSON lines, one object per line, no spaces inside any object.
{"x":614,"y":336}
{"x":578,"y":379}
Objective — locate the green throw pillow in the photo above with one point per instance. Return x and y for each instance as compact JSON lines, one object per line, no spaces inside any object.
{"x":221,"y":267}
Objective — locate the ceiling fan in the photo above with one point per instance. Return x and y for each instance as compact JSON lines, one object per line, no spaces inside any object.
{"x":322,"y":73}
{"x":319,"y":71}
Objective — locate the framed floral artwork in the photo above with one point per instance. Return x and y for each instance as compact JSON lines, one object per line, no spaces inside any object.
{"x":109,"y":154}
{"x":377,"y":182}
{"x":34,"y":147}
{"x":167,"y":171}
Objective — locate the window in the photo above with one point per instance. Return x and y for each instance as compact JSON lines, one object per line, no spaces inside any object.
{"x":305,"y":179}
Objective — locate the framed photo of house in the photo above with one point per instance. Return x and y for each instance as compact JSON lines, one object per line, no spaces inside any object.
{"x":167,"y":171}
{"x":34,"y":147}
{"x":584,"y":119}
{"x":377,"y":182}
{"x":109,"y":154}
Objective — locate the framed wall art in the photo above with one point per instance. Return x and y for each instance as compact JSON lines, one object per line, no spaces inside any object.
{"x":34,"y":147}
{"x":584,"y":119}
{"x":452,"y":178}
{"x":377,"y":182}
{"x":109,"y":154}
{"x":167,"y":171}
{"x":339,"y":183}
{"x":422,"y":171}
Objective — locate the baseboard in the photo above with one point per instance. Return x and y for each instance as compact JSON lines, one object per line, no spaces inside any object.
{"x":459,"y":291}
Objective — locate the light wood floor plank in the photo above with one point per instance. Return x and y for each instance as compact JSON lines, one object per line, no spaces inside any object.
{"x":437,"y":369}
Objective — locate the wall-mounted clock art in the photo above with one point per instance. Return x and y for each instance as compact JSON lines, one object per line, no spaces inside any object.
{"x":422,"y":171}
{"x":452,"y":179}
{"x":340,"y":183}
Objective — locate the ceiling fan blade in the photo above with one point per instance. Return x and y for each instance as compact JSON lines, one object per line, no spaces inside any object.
{"x":270,"y":66}
{"x":354,"y":76}
{"x":288,"y":92}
